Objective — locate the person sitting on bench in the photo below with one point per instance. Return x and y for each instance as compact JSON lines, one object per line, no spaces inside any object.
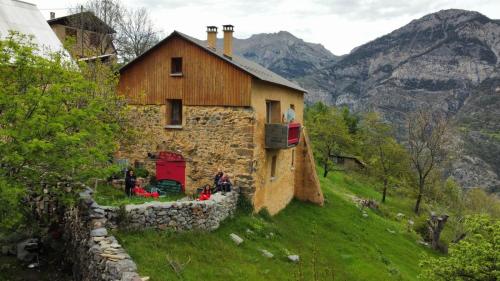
{"x":205,"y":194}
{"x":225,"y":183}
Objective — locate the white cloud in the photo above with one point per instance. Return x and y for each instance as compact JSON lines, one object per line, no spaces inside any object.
{"x":340,"y":25}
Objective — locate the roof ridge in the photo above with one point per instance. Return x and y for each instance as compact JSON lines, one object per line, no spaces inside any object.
{"x":254,"y":69}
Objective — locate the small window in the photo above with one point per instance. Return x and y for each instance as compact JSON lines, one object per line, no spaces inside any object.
{"x":174,"y":112}
{"x":273,"y":166}
{"x":70,"y":32}
{"x":94,"y":39}
{"x":293,"y":157}
{"x":273,"y":112}
{"x":176,"y":66}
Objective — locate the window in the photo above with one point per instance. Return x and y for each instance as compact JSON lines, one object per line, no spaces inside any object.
{"x":174,"y":112}
{"x":70,"y":32}
{"x":176,"y":66}
{"x":273,"y":166}
{"x":293,"y":157}
{"x":94,"y":39}
{"x":273,"y":112}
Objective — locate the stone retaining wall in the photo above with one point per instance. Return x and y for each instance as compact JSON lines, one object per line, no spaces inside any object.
{"x":98,"y":256}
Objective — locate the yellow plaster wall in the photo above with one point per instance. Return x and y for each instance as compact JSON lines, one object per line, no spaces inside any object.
{"x":273,"y":193}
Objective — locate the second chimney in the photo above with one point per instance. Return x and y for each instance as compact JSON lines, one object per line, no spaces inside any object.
{"x":212,"y":37}
{"x":52,"y":15}
{"x":228,"y":40}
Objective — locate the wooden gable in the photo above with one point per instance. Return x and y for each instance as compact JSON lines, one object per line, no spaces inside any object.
{"x":206,"y":79}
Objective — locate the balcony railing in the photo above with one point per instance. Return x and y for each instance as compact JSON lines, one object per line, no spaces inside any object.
{"x":282,"y":136}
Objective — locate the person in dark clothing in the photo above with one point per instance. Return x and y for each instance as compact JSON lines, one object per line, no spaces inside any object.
{"x":130,"y":182}
{"x":225,"y":184}
{"x":217,"y":178}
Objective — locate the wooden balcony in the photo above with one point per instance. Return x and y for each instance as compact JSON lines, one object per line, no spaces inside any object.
{"x":282,"y":136}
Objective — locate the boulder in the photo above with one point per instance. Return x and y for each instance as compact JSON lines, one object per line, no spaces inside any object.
{"x":238,"y":240}
{"x":266,"y":253}
{"x":294,"y":258}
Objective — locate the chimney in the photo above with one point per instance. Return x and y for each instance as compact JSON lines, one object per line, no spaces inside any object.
{"x":52,"y":15}
{"x":212,"y":37}
{"x":228,"y":40}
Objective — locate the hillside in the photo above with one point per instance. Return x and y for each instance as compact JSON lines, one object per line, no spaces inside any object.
{"x":336,"y":237}
{"x":283,"y":53}
{"x":447,"y":61}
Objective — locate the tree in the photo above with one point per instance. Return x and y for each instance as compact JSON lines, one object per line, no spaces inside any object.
{"x":427,"y":143}
{"x":136,"y":34}
{"x":386,"y":158}
{"x":474,"y":258}
{"x":55,"y":124}
{"x":329,"y":133}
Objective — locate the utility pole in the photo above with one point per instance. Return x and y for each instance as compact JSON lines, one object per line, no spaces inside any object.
{"x":81,"y":29}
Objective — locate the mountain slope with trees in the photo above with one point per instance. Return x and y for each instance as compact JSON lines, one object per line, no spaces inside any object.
{"x":446,"y":62}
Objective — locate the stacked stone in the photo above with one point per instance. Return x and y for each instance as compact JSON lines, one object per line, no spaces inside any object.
{"x":95,"y":254}
{"x":183,"y":215}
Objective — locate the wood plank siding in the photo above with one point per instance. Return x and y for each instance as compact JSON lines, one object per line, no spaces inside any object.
{"x":206,"y":79}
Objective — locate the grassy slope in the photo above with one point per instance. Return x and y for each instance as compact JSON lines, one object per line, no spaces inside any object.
{"x":356,"y":248}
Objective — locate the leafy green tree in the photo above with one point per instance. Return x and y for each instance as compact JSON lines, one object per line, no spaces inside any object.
{"x":55,"y":124}
{"x":386,"y":158}
{"x":329,"y":133}
{"x":477,"y":257}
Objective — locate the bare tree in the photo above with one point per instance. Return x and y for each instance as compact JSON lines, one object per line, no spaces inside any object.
{"x":136,"y":34}
{"x":427,"y":141}
{"x":130,"y":31}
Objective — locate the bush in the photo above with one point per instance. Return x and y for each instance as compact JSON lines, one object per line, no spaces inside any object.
{"x":141,"y":173}
{"x":244,"y":205}
{"x":264,"y":213}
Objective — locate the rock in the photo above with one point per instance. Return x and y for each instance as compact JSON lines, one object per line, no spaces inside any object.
{"x":266,"y":253}
{"x":249,"y":231}
{"x":99,"y":232}
{"x":238,"y":240}
{"x":365,"y":215}
{"x":26,"y":250}
{"x":421,"y":242}
{"x":399,"y":216}
{"x":294,"y":258}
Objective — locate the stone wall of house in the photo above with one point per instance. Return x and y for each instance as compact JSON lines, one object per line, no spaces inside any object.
{"x":96,"y":254}
{"x":211,"y":138}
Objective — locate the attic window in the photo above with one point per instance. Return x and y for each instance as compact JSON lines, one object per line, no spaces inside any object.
{"x":176,"y":67}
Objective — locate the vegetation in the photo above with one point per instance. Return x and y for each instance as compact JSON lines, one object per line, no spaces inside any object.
{"x":333,"y":239}
{"x":329,"y":132}
{"x":477,"y":257}
{"x":56,"y":124}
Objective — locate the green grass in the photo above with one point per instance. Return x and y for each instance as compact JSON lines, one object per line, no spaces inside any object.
{"x":335,"y":238}
{"x":107,"y":195}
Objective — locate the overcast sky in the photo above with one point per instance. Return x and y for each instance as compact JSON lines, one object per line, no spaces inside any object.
{"x":340,"y":25}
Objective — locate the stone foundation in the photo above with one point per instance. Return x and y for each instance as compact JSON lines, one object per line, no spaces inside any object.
{"x":211,"y":138}
{"x":96,"y":255}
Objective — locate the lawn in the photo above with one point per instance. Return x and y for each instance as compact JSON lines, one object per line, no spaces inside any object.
{"x":108,"y":195}
{"x":335,"y":239}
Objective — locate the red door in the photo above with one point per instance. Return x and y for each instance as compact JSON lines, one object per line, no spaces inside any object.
{"x":171,"y":166}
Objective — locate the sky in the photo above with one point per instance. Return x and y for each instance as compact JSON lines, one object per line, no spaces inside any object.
{"x":339,"y":25}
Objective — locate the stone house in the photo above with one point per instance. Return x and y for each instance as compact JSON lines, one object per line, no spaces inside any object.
{"x":221,"y":111}
{"x":348,"y":162}
{"x":92,"y":37}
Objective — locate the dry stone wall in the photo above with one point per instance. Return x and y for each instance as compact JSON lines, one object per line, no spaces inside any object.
{"x":182,"y":215}
{"x":96,"y":254}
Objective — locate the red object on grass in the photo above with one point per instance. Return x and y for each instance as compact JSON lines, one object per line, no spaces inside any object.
{"x":171,"y":166}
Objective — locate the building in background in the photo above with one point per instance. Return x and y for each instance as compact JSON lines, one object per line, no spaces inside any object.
{"x":219,"y":111}
{"x":87,"y":36}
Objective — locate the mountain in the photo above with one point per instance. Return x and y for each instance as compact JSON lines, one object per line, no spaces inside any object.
{"x":446,"y":61}
{"x":283,"y":53}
